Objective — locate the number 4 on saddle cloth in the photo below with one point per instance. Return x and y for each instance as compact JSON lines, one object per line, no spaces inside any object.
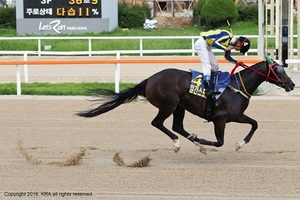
{"x":220,"y":80}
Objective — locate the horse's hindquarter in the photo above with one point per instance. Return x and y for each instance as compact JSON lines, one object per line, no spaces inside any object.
{"x":168,"y":86}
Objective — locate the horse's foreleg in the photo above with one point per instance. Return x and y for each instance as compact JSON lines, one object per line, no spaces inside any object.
{"x":245,"y":119}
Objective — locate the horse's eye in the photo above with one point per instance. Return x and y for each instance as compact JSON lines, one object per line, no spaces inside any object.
{"x":278,"y":69}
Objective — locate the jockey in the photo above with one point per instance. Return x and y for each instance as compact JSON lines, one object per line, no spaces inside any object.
{"x":220,"y":39}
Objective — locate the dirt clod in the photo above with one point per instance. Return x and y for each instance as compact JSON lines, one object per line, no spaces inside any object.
{"x":143,"y":162}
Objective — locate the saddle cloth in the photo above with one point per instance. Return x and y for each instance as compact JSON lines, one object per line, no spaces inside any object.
{"x":221,"y":81}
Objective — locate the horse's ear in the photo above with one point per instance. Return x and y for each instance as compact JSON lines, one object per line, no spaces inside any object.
{"x":269,"y":60}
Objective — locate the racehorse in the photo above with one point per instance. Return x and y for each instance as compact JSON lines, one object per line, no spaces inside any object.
{"x":168,"y":90}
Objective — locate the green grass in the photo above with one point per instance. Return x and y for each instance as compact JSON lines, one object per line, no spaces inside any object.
{"x":62,"y":89}
{"x":59,"y":89}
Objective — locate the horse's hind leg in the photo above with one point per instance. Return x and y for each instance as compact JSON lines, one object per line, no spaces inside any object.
{"x":178,"y":117}
{"x":219,"y":126}
{"x":158,"y":121}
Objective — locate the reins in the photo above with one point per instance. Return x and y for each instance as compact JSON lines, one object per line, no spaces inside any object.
{"x":246,"y":93}
{"x":258,"y":72}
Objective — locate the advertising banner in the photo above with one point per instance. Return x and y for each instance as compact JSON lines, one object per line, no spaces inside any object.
{"x":66,"y":16}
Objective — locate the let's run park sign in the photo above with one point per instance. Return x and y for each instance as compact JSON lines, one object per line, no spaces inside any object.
{"x":66,"y":16}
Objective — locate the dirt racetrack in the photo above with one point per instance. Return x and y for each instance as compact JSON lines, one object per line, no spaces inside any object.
{"x":266,"y":168}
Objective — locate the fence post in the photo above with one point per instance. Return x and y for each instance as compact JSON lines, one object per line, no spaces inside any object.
{"x":117,"y":74}
{"x":18,"y":77}
{"x":25,"y":68}
{"x":90,"y":47}
{"x":141,"y":47}
{"x":193,"y":47}
{"x":39,"y":47}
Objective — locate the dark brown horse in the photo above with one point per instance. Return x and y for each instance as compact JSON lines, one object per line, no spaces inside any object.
{"x":168,"y":90}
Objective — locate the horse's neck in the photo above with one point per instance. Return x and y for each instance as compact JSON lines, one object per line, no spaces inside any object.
{"x":250,"y":80}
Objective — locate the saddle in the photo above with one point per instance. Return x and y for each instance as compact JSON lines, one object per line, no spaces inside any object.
{"x":220,"y":80}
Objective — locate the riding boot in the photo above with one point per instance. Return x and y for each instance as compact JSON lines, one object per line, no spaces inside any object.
{"x":208,"y":89}
{"x":213,"y":73}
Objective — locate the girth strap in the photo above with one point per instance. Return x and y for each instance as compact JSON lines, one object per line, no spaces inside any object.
{"x":238,"y":91}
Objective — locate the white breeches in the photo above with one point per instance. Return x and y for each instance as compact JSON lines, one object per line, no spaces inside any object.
{"x":207,"y":57}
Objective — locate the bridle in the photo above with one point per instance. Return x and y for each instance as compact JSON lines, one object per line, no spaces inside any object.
{"x":268,"y":76}
{"x":271,"y":71}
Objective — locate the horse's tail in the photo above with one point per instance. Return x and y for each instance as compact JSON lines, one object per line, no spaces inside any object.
{"x":115,"y":99}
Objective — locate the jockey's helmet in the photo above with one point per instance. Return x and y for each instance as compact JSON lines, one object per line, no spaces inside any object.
{"x":244,"y":44}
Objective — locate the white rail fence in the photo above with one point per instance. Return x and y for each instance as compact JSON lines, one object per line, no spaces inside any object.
{"x":141,"y":51}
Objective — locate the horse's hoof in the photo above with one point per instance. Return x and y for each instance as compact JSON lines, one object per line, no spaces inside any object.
{"x":176,"y":149}
{"x":176,"y":146}
{"x":239,"y":145}
{"x":201,"y":148}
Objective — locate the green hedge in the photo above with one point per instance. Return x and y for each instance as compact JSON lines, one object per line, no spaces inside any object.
{"x":133,"y":16}
{"x":216,"y":12}
{"x":248,"y":12}
{"x":7,"y":17}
